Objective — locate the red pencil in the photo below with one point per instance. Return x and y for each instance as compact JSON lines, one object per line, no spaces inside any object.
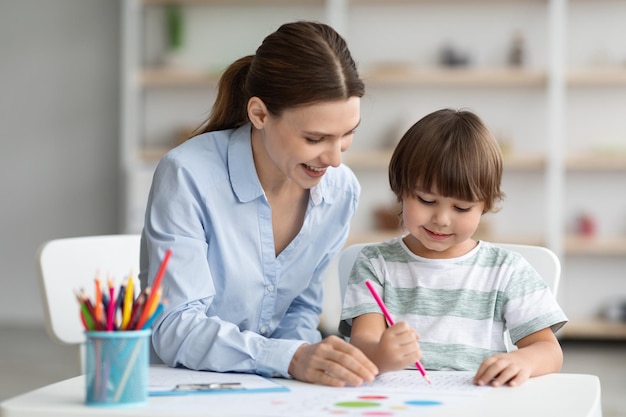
{"x":138,"y":304}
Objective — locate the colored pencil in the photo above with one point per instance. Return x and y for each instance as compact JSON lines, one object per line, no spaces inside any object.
{"x":128,"y":302}
{"x":85,"y":315}
{"x":155,"y":287}
{"x":98,"y":302}
{"x":134,"y":313}
{"x":153,"y":317}
{"x":138,"y":306}
{"x":111,"y":309}
{"x":387,"y":315}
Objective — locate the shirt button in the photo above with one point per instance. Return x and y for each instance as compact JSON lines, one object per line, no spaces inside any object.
{"x":270,"y":288}
{"x":263,"y":329}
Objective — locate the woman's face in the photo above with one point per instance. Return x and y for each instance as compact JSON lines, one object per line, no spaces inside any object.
{"x":304,"y":141}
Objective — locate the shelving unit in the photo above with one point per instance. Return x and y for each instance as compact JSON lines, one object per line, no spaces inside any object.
{"x":560,"y":113}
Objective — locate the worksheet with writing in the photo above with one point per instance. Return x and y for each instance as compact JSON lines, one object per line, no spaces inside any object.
{"x":402,"y":393}
{"x":442,"y":382}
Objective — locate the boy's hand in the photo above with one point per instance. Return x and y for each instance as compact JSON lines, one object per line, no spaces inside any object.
{"x":398,"y":348}
{"x":501,"y":369}
{"x":539,"y":353}
{"x":332,"y":362}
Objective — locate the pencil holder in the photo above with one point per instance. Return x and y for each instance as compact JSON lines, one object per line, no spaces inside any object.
{"x":117,"y":364}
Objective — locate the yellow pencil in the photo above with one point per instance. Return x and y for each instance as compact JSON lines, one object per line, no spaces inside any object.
{"x":128,"y":302}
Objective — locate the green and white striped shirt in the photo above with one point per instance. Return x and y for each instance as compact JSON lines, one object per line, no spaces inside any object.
{"x":460,"y":307}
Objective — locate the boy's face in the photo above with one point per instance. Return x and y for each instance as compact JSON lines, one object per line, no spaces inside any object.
{"x":440,"y":227}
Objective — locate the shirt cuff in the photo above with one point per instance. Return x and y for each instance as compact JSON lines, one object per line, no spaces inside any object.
{"x":275,"y":357}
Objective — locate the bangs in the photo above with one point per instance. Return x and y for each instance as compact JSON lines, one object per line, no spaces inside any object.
{"x":452,"y":154}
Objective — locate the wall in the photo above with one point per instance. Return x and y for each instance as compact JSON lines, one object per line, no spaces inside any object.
{"x":59,"y":78}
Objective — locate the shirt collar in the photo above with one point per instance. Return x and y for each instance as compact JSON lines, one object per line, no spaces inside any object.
{"x":243,"y":176}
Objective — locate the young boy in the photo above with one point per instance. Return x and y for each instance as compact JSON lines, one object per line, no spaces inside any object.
{"x":454,"y":294}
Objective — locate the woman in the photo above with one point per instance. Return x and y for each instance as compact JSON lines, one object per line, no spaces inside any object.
{"x":254,"y":209}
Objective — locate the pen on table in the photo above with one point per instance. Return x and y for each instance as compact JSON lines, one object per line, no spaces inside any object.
{"x":387,"y":315}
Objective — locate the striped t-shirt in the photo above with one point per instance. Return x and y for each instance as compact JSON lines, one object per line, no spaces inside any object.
{"x":460,"y":307}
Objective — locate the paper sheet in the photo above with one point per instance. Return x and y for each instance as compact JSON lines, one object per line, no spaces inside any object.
{"x":403,"y":393}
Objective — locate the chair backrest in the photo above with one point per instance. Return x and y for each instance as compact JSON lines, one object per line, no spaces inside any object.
{"x":66,"y":265}
{"x":545,"y":262}
{"x":347,"y":258}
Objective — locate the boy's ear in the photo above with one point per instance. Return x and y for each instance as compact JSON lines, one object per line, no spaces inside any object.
{"x":257,"y":112}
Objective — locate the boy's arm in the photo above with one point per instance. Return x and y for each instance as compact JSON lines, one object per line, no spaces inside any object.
{"x":390,"y":348}
{"x":539,"y":353}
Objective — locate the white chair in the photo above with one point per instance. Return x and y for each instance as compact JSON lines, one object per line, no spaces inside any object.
{"x":67,"y":265}
{"x":545,"y":262}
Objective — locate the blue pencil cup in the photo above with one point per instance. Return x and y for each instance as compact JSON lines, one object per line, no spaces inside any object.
{"x":117,"y":365}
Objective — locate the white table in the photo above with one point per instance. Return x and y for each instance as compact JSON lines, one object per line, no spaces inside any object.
{"x":553,"y":395}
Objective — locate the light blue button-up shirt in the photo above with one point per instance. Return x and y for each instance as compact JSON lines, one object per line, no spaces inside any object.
{"x":232,"y":304}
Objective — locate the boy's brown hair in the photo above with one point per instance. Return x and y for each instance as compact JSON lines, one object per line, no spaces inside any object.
{"x":452,"y":151}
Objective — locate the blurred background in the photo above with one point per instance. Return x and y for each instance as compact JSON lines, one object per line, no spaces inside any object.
{"x":94,"y":92}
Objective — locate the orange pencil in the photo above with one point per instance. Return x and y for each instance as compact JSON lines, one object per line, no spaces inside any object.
{"x":99,"y":308}
{"x":155,"y":286}
{"x":145,"y":317}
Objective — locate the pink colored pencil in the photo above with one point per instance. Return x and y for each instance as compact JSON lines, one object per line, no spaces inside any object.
{"x":387,"y":315}
{"x":111,"y":312}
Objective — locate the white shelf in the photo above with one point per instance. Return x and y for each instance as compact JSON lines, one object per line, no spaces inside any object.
{"x":228,"y":2}
{"x":593,"y":329}
{"x":595,"y":246}
{"x":454,"y":77}
{"x":597,"y":163}
{"x":162,"y":77}
{"x":597,"y":77}
{"x":496,"y":77}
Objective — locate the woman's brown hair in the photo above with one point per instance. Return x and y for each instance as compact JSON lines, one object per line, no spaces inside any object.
{"x":453,"y":151}
{"x":301,"y":63}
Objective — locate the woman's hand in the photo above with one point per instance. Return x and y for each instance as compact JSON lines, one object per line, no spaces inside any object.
{"x":332,"y":362}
